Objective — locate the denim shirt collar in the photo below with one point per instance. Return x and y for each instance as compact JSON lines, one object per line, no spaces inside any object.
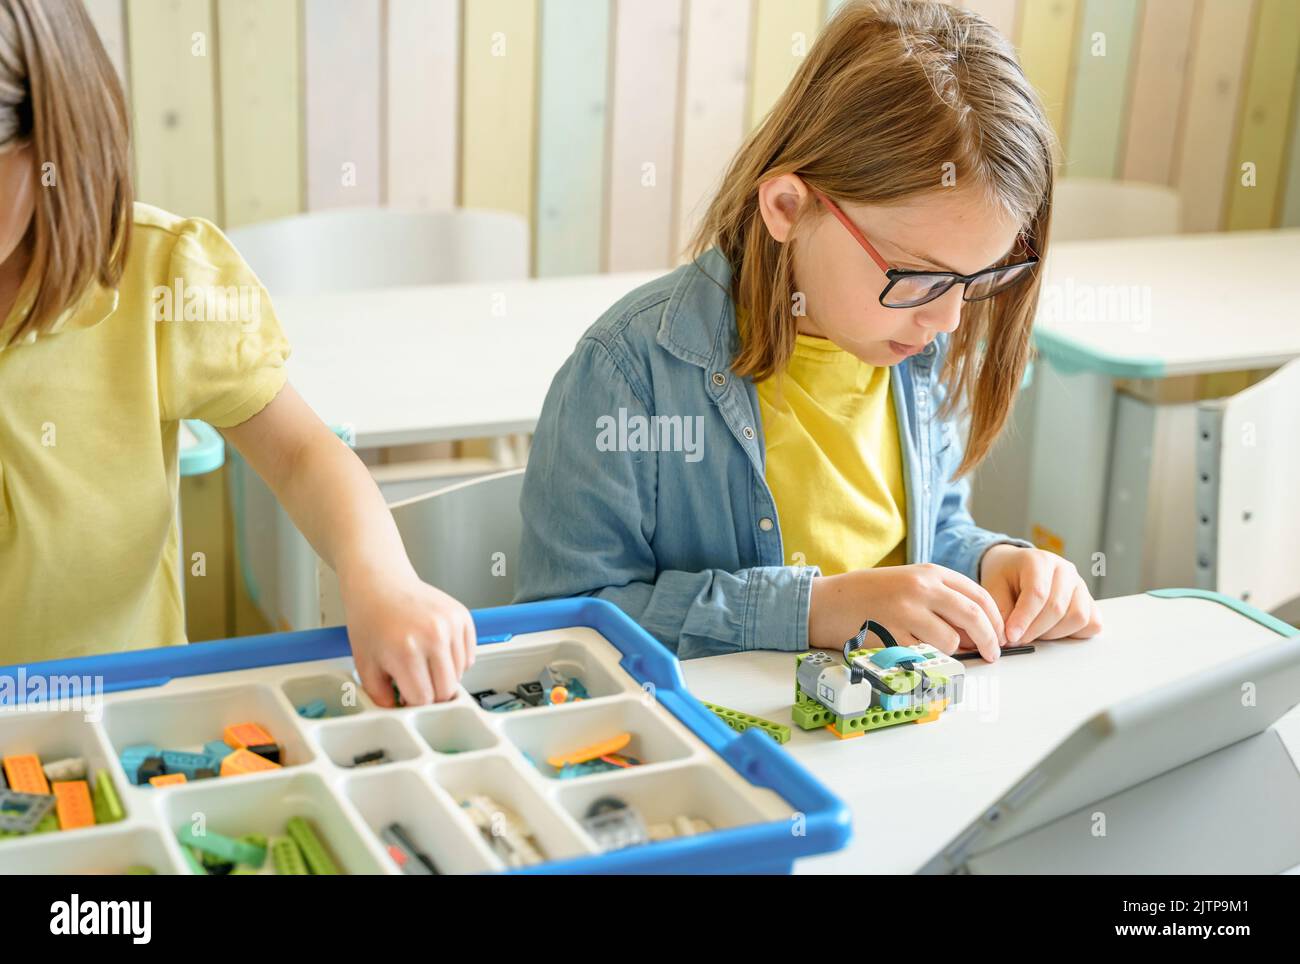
{"x":702,"y":293}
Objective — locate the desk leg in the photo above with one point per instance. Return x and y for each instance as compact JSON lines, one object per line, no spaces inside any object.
{"x":1070,"y":465}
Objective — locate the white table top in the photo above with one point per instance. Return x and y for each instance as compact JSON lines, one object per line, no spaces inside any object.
{"x":938,"y":776}
{"x":442,"y":362}
{"x":446,"y":362}
{"x":1187,"y":304}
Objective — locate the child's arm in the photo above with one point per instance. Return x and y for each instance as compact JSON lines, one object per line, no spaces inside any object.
{"x":402,"y":630}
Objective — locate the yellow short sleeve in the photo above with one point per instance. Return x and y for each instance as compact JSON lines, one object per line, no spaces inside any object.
{"x":221,"y":352}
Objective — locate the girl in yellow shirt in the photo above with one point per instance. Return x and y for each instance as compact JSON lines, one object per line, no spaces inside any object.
{"x":117,"y":321}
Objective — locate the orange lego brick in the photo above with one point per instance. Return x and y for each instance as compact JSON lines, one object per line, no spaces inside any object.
{"x":242,"y":735}
{"x":603,"y":748}
{"x":25,"y":775}
{"x":72,"y":803}
{"x":245,"y":761}
{"x":167,"y":779}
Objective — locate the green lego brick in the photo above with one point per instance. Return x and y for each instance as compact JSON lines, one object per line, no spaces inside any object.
{"x":740,"y":722}
{"x":225,"y":849}
{"x":809,"y":714}
{"x":140,"y":870}
{"x":49,"y":823}
{"x":108,"y":807}
{"x":286,"y":858}
{"x":313,"y":851}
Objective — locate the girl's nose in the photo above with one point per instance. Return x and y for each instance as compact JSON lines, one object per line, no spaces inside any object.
{"x":944,"y":313}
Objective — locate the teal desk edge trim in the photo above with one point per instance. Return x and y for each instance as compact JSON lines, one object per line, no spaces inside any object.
{"x":207,"y":454}
{"x":1245,"y":609}
{"x":1070,"y":357}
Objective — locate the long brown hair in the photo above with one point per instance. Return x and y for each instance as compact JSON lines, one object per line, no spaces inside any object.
{"x":893,"y":95}
{"x":58,"y":88}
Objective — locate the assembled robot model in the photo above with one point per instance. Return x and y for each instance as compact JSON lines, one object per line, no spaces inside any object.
{"x":873,"y":688}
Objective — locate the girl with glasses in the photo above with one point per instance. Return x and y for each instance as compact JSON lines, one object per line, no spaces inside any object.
{"x":761,"y":449}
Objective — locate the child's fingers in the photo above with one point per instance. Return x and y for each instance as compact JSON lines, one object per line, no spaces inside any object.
{"x":1053,"y":606}
{"x":1076,"y":617}
{"x":980,"y":596}
{"x":410,"y":670}
{"x":377,"y":684}
{"x":1035,"y":588}
{"x":930,"y":627}
{"x":471,"y":643}
{"x":969,"y":615}
{"x":441,"y":670}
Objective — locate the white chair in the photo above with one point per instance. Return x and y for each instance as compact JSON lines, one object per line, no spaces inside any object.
{"x":337,"y":250}
{"x":355,"y":248}
{"x":1247,"y":516}
{"x":1082,"y":209}
{"x":463,"y":539}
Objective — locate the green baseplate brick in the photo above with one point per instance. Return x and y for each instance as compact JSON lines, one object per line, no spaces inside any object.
{"x":808,"y":714}
{"x":286,"y":858}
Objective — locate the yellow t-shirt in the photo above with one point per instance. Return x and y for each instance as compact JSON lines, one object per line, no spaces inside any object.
{"x":89,"y":419}
{"x":833,"y":460}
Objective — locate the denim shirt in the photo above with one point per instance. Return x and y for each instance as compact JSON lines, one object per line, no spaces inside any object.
{"x":676,"y":525}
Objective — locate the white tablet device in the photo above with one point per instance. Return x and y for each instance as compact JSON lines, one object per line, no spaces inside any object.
{"x":1190,"y":777}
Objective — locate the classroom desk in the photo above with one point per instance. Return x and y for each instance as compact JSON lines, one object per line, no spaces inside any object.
{"x":934,"y":778}
{"x":403,"y":366}
{"x":1109,"y":471}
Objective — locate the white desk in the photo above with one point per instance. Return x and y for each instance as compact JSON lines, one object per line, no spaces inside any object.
{"x":1108,"y":472}
{"x":444,"y":362}
{"x":934,"y":778}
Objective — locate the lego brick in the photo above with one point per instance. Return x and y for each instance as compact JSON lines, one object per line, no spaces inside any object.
{"x":108,"y":807}
{"x":24,"y":773}
{"x":179,"y":761}
{"x":243,"y":735}
{"x":48,"y":824}
{"x":611,"y":745}
{"x":286,"y":858}
{"x":314,"y":710}
{"x":269,"y":751}
{"x":151,"y":767}
{"x":73,"y":768}
{"x":73,"y":805}
{"x":21,"y":812}
{"x":218,"y":750}
{"x":245,"y":761}
{"x":168,"y":779}
{"x":313,"y":850}
{"x":134,"y":756}
{"x":224,"y":848}
{"x":740,"y":722}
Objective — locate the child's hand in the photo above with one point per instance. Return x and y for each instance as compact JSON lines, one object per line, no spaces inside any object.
{"x":924,"y":603}
{"x":1040,"y":594}
{"x":409,"y":633}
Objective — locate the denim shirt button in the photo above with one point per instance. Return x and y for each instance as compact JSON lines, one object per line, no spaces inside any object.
{"x":765,"y":524}
{"x":719,"y":379}
{"x":748,"y":432}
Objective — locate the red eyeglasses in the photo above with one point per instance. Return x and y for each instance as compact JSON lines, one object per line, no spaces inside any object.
{"x":909,"y":289}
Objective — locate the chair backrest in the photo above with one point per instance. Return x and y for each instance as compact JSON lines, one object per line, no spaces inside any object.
{"x":1248,"y":516}
{"x":356,"y":248}
{"x":464,"y":539}
{"x":1087,"y":208}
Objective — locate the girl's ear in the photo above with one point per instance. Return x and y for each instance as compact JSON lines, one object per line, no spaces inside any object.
{"x":779,"y":201}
